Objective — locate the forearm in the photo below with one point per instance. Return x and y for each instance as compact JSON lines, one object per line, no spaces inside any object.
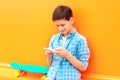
{"x":49,"y":60}
{"x":75,"y":62}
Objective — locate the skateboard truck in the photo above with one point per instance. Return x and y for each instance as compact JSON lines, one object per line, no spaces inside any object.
{"x":19,"y":73}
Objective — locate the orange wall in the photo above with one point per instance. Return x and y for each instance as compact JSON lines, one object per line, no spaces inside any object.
{"x":26,"y":27}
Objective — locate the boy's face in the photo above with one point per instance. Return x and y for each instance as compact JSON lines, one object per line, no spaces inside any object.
{"x":64,"y":26}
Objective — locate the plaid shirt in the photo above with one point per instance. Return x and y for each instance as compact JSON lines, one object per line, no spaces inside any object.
{"x":61,"y":68}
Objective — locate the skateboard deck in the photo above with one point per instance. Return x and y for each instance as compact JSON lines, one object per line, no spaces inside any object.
{"x":22,"y":68}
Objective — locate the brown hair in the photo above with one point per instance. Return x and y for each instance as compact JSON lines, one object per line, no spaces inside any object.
{"x":62,"y":12}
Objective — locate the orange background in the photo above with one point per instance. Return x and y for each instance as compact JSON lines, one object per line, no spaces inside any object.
{"x":26,"y":28}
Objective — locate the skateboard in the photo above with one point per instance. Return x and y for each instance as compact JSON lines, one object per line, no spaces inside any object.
{"x":24,"y":68}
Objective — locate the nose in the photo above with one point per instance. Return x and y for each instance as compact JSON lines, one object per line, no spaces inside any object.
{"x":60,"y":28}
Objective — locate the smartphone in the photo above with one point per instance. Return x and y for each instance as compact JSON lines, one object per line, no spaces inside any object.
{"x":48,"y":49}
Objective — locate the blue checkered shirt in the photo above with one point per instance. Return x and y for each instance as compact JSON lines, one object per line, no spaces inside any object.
{"x":61,"y":68}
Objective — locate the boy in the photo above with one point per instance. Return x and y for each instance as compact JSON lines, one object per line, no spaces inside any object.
{"x":68,"y":54}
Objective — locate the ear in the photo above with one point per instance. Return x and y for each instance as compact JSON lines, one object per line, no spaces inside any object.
{"x":71,"y":20}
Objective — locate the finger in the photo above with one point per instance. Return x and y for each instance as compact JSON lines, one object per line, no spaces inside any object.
{"x":48,"y":52}
{"x":57,"y":52}
{"x":58,"y":49}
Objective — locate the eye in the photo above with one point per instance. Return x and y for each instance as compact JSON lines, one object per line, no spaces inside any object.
{"x":57,"y":25}
{"x":62,"y":24}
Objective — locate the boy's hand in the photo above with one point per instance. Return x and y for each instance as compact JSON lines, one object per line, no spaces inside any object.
{"x":62,"y":52}
{"x":48,"y":53}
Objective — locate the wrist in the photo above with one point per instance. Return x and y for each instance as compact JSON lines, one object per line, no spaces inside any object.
{"x":67,"y":55}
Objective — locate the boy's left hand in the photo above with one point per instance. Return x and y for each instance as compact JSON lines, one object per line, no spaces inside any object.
{"x":60,"y":51}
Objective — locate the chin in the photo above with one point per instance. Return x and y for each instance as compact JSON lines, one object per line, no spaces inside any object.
{"x":63,"y":33}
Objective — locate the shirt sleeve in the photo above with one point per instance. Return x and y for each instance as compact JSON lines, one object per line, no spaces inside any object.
{"x":83,"y":52}
{"x":51,"y":42}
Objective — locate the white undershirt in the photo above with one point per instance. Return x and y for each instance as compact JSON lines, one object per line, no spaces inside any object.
{"x":63,"y":41}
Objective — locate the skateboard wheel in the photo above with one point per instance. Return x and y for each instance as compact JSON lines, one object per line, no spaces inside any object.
{"x":16,"y":73}
{"x":43,"y":77}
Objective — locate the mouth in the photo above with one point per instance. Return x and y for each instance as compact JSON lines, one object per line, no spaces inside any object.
{"x":63,"y":32}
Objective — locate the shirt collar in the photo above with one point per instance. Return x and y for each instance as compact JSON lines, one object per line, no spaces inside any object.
{"x":73,"y":32}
